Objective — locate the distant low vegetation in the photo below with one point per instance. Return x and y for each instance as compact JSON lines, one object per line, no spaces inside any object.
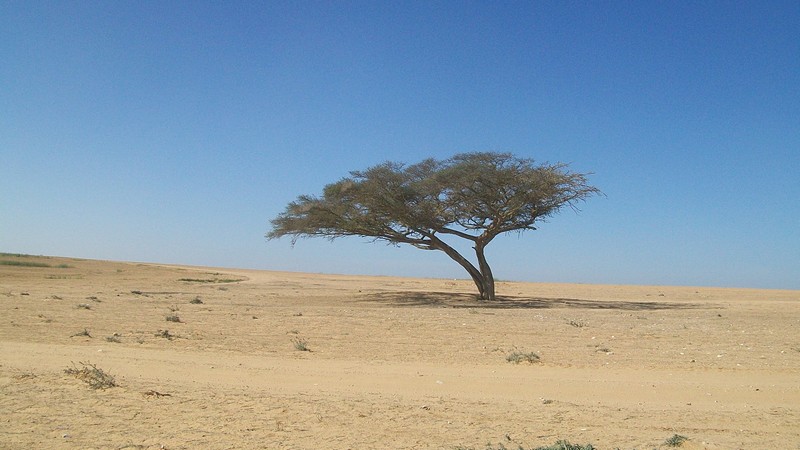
{"x":16,"y":261}
{"x":210,"y":280}
{"x":23,"y":263}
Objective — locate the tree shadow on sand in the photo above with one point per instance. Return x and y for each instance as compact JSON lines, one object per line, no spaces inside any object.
{"x":462,"y":300}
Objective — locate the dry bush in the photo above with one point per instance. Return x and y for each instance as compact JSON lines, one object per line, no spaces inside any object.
{"x":95,"y":377}
{"x":166,"y":335}
{"x":85,"y":332}
{"x":301,"y":344}
{"x":517,"y":357}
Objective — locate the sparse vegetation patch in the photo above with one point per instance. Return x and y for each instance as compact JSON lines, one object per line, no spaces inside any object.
{"x":517,"y":357}
{"x":23,"y":263}
{"x":565,"y":445}
{"x":559,"y":445}
{"x":11,"y":262}
{"x":64,"y":277}
{"x":210,"y":280}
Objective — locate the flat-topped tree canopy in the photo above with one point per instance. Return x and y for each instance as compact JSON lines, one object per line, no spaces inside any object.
{"x":472,"y":196}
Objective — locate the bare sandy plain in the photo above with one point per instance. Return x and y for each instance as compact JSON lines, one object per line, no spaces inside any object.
{"x":393,"y":363}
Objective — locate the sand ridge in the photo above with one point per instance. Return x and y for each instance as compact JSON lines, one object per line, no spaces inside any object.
{"x":393,"y":362}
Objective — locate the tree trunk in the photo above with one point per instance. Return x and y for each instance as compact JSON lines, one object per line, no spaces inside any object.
{"x":485,"y":286}
{"x":483,"y":278}
{"x":487,"y":278}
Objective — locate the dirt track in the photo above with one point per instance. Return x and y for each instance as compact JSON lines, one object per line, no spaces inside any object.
{"x":393,"y":362}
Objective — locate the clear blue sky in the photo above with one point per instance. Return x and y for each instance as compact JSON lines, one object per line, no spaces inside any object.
{"x":174,"y":131}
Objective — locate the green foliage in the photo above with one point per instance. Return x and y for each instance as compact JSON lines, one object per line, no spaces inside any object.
{"x":483,"y":194}
{"x":472,"y":196}
{"x":676,"y":440}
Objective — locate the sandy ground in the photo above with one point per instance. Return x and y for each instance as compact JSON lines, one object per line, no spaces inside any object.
{"x":391,"y":362}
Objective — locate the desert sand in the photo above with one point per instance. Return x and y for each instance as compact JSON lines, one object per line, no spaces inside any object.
{"x":208,"y":358}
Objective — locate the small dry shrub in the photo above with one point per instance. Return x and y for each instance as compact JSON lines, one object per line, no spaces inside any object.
{"x":25,"y":376}
{"x":166,"y":335}
{"x":85,"y":332}
{"x":676,"y":440}
{"x":95,"y":377}
{"x":517,"y":357}
{"x":301,"y":344}
{"x":577,"y":323}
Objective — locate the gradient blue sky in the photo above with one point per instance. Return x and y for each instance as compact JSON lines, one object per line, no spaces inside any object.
{"x":174,"y":131}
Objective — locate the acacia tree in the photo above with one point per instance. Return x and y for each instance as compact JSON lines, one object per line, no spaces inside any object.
{"x":472,"y":196}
